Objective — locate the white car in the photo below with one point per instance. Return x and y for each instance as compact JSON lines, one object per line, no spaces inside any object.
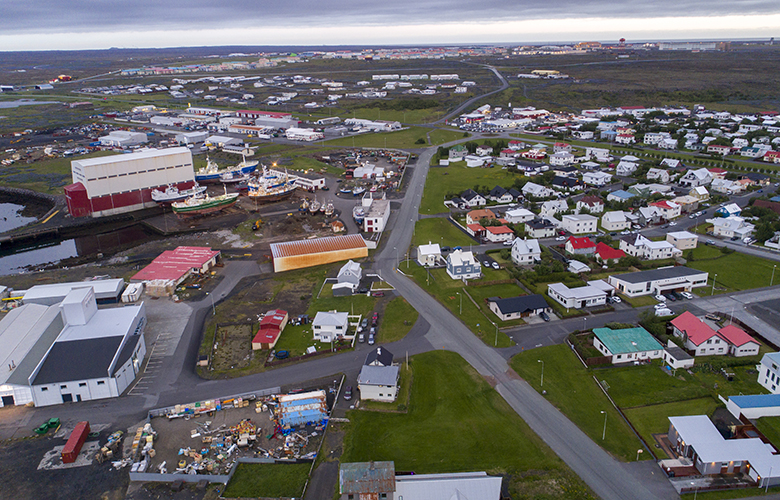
{"x":560,"y":238}
{"x":496,"y":266}
{"x":662,"y":305}
{"x":625,"y":232}
{"x":687,"y":295}
{"x":660,"y":298}
{"x":672,"y":223}
{"x":508,"y":243}
{"x":616,"y":300}
{"x":664,"y":312}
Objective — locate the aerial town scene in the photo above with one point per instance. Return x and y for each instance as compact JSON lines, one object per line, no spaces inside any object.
{"x":531,"y":257}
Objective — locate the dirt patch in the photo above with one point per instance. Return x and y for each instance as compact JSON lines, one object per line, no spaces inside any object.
{"x":233,"y":346}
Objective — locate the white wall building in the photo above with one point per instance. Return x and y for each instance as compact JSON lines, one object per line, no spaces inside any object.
{"x":579,"y":224}
{"x":577,"y":298}
{"x":330,"y":326}
{"x":615,"y":221}
{"x":526,"y":252}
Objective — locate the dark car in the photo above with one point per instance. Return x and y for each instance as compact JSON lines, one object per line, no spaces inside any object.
{"x":544,"y":316}
{"x":671,"y":297}
{"x":348,"y":393}
{"x":370,"y":339}
{"x":362,"y":289}
{"x":445,"y":249}
{"x":677,"y":295}
{"x":325,"y":188}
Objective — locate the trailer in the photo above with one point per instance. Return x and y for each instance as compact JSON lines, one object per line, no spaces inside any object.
{"x":75,"y":442}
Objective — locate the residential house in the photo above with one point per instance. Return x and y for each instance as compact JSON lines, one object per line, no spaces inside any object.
{"x":330,"y":326}
{"x":575,"y":266}
{"x":669,"y":209}
{"x":350,"y":275}
{"x":688,"y":204}
{"x":378,"y":383}
{"x":500,"y":195}
{"x":516,"y":195}
{"x":473,"y":199}
{"x":625,"y":139}
{"x":588,"y":165}
{"x":625,"y":168}
{"x":552,"y":207}
{"x":429,"y":255}
{"x":645,"y":190}
{"x":476,"y":230}
{"x":531,"y":189}
{"x":671,"y":163}
{"x":474,"y":216}
{"x":584,"y":135}
{"x":577,"y":298}
{"x":566,"y":171}
{"x":529,"y":168}
{"x":594,"y":204}
{"x":682,"y":240}
{"x":367,"y":480}
{"x":561,"y":158}
{"x":605,"y":253}
{"x":563,"y":183}
{"x":698,"y":336}
{"x":639,"y":246}
{"x":518,"y":307}
{"x":379,"y":357}
{"x":562,"y":147}
{"x":659,"y":280}
{"x":526,"y":252}
{"x":615,"y":221}
{"x":579,"y":224}
{"x":740,"y":342}
{"x":667,"y":144}
{"x":658,"y":174}
{"x":726,"y":186}
{"x":772,"y":157}
{"x":463,"y":265}
{"x":539,"y":228}
{"x":700,"y":193}
{"x":270,"y":329}
{"x":474,"y":161}
{"x":731,"y":210}
{"x":769,"y":372}
{"x":515,"y":145}
{"x":758,"y":179}
{"x":627,"y":345}
{"x":598,"y":179}
{"x":484,"y":150}
{"x":695,"y":178}
{"x":497,"y":234}
{"x":457,"y":153}
{"x":580,"y":246}
{"x":601,"y":155}
{"x":650,"y":215}
{"x":731,"y":227}
{"x":517,"y":215}
{"x":676,"y":357}
{"x":718,"y":149}
{"x":620,"y":196}
{"x":653,"y":138}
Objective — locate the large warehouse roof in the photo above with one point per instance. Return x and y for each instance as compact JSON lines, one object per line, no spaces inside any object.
{"x":54,"y":293}
{"x":308,"y":253}
{"x":26,"y":333}
{"x":140,"y":155}
{"x":173,"y":264}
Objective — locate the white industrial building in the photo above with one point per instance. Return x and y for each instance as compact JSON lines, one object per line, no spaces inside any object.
{"x":303,"y":134}
{"x":108,"y":291}
{"x":375,"y":213}
{"x":71,"y":351}
{"x":123,"y":139}
{"x":661,"y":280}
{"x":577,"y":298}
{"x":111,"y":185}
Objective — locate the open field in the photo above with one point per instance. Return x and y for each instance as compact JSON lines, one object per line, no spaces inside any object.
{"x":571,"y":388}
{"x":267,"y":480}
{"x":402,"y":139}
{"x":730,"y":269}
{"x":457,"y":422}
{"x":438,"y":230}
{"x":46,"y":176}
{"x":399,"y":318}
{"x":654,"y":419}
{"x":457,"y":178}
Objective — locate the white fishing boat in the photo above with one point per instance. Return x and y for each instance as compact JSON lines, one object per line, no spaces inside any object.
{"x":173,"y":193}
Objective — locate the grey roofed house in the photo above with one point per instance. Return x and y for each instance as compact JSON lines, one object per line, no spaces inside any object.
{"x":366,"y":478}
{"x":521,"y":304}
{"x":379,"y":357}
{"x":351,"y":273}
{"x":658,"y":274}
{"x":470,"y":194}
{"x":497,"y":192}
{"x":378,"y":375}
{"x":515,"y":193}
{"x":448,"y":486}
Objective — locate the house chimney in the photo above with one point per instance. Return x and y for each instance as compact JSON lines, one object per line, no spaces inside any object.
{"x":371,"y":465}
{"x":378,"y":351}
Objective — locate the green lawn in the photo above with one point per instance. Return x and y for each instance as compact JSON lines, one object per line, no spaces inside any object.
{"x":650,"y":384}
{"x":653,"y":419}
{"x":770,"y":427}
{"x":571,"y":388}
{"x":439,"y":230}
{"x":731,"y":271}
{"x":268,"y":480}
{"x":456,"y":422}
{"x":641,"y":301}
{"x":399,"y":318}
{"x":410,"y":116}
{"x":451,"y":294}
{"x":45,"y":176}
{"x":444,"y":135}
{"x":480,"y":293}
{"x":402,"y":139}
{"x":457,"y":178}
{"x":296,"y":339}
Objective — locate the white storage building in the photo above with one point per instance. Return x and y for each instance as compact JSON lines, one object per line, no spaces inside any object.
{"x":123,"y":139}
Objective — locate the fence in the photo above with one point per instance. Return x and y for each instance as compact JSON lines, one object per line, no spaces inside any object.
{"x":278,"y":362}
{"x":150,"y":477}
{"x":161,"y":412}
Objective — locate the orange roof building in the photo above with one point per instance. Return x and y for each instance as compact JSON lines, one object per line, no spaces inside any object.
{"x":309,"y":253}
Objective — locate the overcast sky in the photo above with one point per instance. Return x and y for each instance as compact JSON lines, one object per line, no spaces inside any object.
{"x":95,"y":24}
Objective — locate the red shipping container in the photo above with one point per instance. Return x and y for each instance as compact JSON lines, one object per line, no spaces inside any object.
{"x":75,"y":442}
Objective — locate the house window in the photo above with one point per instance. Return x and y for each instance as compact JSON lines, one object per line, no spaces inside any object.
{"x":44,"y":389}
{"x":63,"y":387}
{"x":101,"y":382}
{"x":82,"y":384}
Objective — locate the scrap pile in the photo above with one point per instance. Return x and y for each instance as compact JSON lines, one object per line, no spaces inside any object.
{"x":215,"y":456}
{"x":108,"y":451}
{"x":143,"y":448}
{"x":207,"y":407}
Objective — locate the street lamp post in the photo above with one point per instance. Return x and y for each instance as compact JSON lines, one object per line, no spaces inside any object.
{"x":773,"y":275}
{"x":639,"y":452}
{"x":695,"y":491}
{"x":713,"y":285}
{"x":496,"y":343}
{"x":542,"y":381}
{"x":584,"y":324}
{"x":604,"y":432}
{"x":396,"y":257}
{"x":461,"y":303}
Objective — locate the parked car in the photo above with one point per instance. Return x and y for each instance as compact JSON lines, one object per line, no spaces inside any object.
{"x":677,"y":296}
{"x":348,"y":393}
{"x":659,"y":297}
{"x":670,"y":297}
{"x":378,"y":294}
{"x":560,"y":238}
{"x":508,"y":243}
{"x":445,"y":249}
{"x":664,"y":312}
{"x":616,"y":300}
{"x":661,"y":305}
{"x":370,"y":339}
{"x":362,"y":337}
{"x":496,"y":266}
{"x":364,"y":323}
{"x":486,"y":263}
{"x":544,"y":316}
{"x":687,"y":295}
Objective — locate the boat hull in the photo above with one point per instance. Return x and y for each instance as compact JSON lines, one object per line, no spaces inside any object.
{"x":209,"y":206}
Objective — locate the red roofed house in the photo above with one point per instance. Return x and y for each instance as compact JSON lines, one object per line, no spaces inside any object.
{"x":475,"y":230}
{"x":561,"y":146}
{"x":496,"y":234}
{"x":270,"y":330}
{"x":515,"y":145}
{"x":475,"y":216}
{"x":172,"y":267}
{"x":741,"y":344}
{"x":605,"y":253}
{"x":669,"y":208}
{"x":698,"y":336}
{"x":718,"y":173}
{"x":580,"y":246}
{"x":772,"y":156}
{"x":594,"y":204}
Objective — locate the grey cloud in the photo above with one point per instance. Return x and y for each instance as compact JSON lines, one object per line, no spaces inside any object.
{"x":49,"y":16}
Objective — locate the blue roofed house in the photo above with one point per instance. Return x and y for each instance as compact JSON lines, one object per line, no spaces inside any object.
{"x":620,"y":195}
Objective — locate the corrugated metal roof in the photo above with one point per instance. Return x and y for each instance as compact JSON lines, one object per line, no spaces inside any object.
{"x":367,"y":477}
{"x":173,"y":264}
{"x":317,"y":245}
{"x":140,"y":155}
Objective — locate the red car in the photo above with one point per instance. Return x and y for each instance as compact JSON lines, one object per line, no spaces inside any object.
{"x":378,"y":294}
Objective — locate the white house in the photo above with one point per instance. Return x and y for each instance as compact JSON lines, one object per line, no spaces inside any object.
{"x":552,"y":207}
{"x":596,"y":178}
{"x":561,"y":158}
{"x":518,"y":215}
{"x":599,"y":154}
{"x":769,"y":372}
{"x":484,"y":150}
{"x":695,"y":178}
{"x":378,"y":383}
{"x":539,"y":228}
{"x":330,"y":326}
{"x":682,"y":240}
{"x":627,"y":345}
{"x":729,"y":227}
{"x":639,"y":246}
{"x":498,"y":234}
{"x":615,"y":221}
{"x":526,"y":252}
{"x":658,"y":174}
{"x":625,"y":168}
{"x":654,"y":281}
{"x":669,"y":209}
{"x":577,"y":298}
{"x":726,"y":186}
{"x":376,"y":213}
{"x":536,"y":191}
{"x":473,"y":199}
{"x":593,"y":204}
{"x":350,"y":273}
{"x":518,"y":307}
{"x":463,"y":265}
{"x":579,"y":224}
{"x":429,"y":255}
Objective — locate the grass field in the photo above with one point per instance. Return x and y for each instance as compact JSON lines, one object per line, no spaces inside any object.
{"x":572,"y":390}
{"x":267,"y":480}
{"x":451,"y":294}
{"x":443,"y":135}
{"x":457,"y":422}
{"x":770,"y":427}
{"x":45,"y":176}
{"x":399,"y":318}
{"x":402,"y":139}
{"x":439,"y":230}
{"x":731,"y":271}
{"x":457,"y":178}
{"x":410,"y":116}
{"x":650,"y":384}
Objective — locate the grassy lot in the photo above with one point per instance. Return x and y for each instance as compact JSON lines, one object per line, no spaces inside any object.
{"x":656,"y":385}
{"x":439,"y":230}
{"x":770,"y":427}
{"x":267,"y":480}
{"x":402,"y":139}
{"x":456,"y":422}
{"x":410,"y":116}
{"x":572,"y":390}
{"x":401,"y":402}
{"x":451,"y":293}
{"x":653,"y":419}
{"x":731,"y":271}
{"x":457,"y":178}
{"x":644,"y":300}
{"x":399,"y":318}
{"x":443,"y":135}
{"x":45,"y":176}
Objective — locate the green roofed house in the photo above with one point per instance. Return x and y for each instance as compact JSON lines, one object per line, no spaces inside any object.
{"x":627,"y":345}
